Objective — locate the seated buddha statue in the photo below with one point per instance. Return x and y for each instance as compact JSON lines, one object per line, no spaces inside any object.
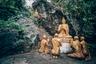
{"x":63,"y":28}
{"x":55,"y":46}
{"x":83,"y":43}
{"x":44,"y":45}
{"x":85,"y":50}
{"x":77,"y":53}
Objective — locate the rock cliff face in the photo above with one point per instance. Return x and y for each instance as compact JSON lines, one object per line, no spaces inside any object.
{"x":14,"y":41}
{"x":30,"y":28}
{"x":32,"y":33}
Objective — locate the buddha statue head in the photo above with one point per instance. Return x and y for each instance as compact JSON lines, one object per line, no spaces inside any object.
{"x":76,"y":38}
{"x":69,"y":36}
{"x":56,"y":35}
{"x":44,"y":36}
{"x":63,"y":20}
{"x":82,"y":38}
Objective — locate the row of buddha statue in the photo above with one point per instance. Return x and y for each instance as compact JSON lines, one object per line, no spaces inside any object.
{"x":63,"y":42}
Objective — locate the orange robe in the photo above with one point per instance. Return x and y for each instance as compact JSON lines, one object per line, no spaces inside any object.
{"x":77,"y":50}
{"x":56,"y":46}
{"x":84,"y":48}
{"x":43,"y":46}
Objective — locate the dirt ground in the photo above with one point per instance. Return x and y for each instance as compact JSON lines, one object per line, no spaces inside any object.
{"x":34,"y":57}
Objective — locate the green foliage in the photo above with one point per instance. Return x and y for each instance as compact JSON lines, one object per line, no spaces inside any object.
{"x":10,"y":25}
{"x":11,"y":37}
{"x":10,"y":8}
{"x":11,"y":33}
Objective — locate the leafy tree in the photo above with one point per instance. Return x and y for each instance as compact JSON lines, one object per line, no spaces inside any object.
{"x":9,"y":8}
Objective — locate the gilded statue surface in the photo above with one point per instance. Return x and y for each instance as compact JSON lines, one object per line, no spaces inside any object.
{"x":44,"y":45}
{"x":84,"y":48}
{"x":77,"y":48}
{"x":55,"y":45}
{"x":63,"y":28}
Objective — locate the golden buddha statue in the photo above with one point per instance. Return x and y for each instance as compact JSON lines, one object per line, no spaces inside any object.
{"x":63,"y":28}
{"x":44,"y":45}
{"x":85,"y":51}
{"x":77,"y":53}
{"x":55,"y":46}
{"x":83,"y":43}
